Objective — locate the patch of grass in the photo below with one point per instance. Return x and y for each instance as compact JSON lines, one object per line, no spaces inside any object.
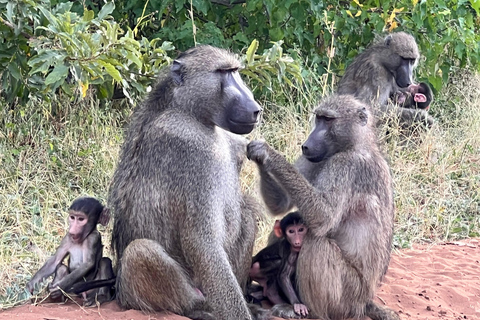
{"x":46,"y":161}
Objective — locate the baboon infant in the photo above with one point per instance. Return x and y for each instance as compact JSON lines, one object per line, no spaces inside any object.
{"x":342,"y":188}
{"x":273,"y":268}
{"x":381,"y":70}
{"x":184,"y":231}
{"x":415,"y":96}
{"x":83,"y":246}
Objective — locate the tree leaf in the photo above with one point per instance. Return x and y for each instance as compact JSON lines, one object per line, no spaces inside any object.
{"x":114,"y":73}
{"x":106,"y":10}
{"x":251,"y":50}
{"x":58,"y":73}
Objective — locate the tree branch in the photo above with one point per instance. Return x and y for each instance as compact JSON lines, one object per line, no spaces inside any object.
{"x":11,"y":26}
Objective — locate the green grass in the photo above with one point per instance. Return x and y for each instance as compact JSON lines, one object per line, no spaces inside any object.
{"x":51,"y":155}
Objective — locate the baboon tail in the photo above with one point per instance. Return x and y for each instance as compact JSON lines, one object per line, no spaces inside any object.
{"x":85,"y":286}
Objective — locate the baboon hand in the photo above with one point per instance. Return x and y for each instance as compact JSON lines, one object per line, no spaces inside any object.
{"x":30,"y":287}
{"x":257,"y":150}
{"x":300,"y":309}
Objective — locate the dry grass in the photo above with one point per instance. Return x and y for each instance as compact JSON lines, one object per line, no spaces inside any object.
{"x":47,"y":160}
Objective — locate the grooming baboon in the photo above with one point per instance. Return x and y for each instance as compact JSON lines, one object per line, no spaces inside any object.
{"x":416,"y":96}
{"x":83,"y":246}
{"x":381,"y":70}
{"x":183,"y":231}
{"x":342,"y":187}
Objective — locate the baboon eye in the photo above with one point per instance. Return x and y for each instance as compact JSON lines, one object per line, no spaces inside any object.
{"x":228,"y":70}
{"x":324,"y":118}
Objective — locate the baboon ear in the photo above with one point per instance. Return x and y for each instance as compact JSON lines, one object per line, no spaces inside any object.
{"x":277,"y":229}
{"x":176,"y":72}
{"x":388,"y":39}
{"x":363,"y":116}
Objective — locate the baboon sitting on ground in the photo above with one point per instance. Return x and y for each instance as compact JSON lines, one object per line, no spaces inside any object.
{"x":184,"y":232}
{"x":383,"y":69}
{"x":342,"y":188}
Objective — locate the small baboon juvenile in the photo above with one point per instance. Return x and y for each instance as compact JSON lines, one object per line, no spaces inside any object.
{"x":382,"y":70}
{"x":184,"y":232}
{"x":418,"y":96}
{"x":83,"y":246}
{"x":342,"y":188}
{"x":273,"y":268}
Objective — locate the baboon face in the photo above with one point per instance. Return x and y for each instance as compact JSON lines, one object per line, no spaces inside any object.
{"x":241,"y":110}
{"x":215,"y":83}
{"x":403,"y":57}
{"x":421,"y":95}
{"x":338,"y":123}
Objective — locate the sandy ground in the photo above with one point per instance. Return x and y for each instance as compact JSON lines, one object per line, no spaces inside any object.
{"x":426,"y":282}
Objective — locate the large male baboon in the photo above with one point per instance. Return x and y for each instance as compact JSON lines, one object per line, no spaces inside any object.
{"x":381,"y":70}
{"x":342,"y":187}
{"x":184,"y":232}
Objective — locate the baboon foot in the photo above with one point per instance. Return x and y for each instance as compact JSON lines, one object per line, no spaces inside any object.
{"x":200,"y":315}
{"x":285,"y":311}
{"x":376,"y":312}
{"x":260,"y":313}
{"x":97,"y":299}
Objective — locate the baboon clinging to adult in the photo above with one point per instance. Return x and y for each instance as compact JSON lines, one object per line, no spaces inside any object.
{"x":416,"y":96}
{"x":342,"y":187}
{"x":381,"y":70}
{"x":184,"y":232}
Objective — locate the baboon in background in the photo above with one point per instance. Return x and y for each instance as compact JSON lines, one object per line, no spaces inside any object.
{"x":382,"y":70}
{"x":342,"y":187}
{"x":184,"y":232}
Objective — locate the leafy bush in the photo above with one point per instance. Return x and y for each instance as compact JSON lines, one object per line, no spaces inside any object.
{"x":74,"y":46}
{"x":448,"y":31}
{"x":69,"y":53}
{"x":72,"y":52}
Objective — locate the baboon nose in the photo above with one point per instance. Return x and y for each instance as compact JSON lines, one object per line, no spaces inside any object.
{"x":256,"y":113}
{"x":304,"y":149}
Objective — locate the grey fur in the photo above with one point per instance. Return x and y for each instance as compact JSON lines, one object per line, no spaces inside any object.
{"x":181,"y":220}
{"x":346,"y":200}
{"x":371,"y":77}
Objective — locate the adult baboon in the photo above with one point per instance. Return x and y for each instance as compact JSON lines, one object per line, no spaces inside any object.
{"x":184,"y":232}
{"x":342,"y":187}
{"x":381,"y":70}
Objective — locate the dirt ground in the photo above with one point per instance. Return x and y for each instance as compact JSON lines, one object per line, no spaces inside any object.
{"x":425,"y":282}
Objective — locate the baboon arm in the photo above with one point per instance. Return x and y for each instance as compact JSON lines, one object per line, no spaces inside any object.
{"x":212,"y":272}
{"x":89,"y":251}
{"x":286,"y":283}
{"x":274,"y":195}
{"x":307,"y":198}
{"x":50,"y":265}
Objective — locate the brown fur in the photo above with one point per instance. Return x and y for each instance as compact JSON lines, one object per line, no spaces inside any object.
{"x":346,"y":200}
{"x":371,"y":77}
{"x":177,"y":185}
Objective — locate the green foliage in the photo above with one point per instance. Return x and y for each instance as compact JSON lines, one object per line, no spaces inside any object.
{"x":71,"y":52}
{"x":448,"y":32}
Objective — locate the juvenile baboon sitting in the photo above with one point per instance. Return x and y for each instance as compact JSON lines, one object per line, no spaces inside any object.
{"x":183,"y":231}
{"x":342,"y":187}
{"x":381,"y":70}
